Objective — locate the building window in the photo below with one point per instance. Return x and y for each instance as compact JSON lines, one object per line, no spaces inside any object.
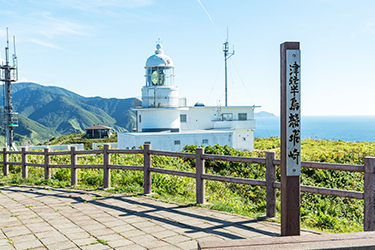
{"x":242,"y":116}
{"x":140,"y":120}
{"x":177,"y":142}
{"x":183,"y":118}
{"x":151,"y":97}
{"x":205,"y":141}
{"x":227,"y":117}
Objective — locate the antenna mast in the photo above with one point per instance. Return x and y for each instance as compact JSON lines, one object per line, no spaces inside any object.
{"x":226,"y":57}
{"x":9,"y":74}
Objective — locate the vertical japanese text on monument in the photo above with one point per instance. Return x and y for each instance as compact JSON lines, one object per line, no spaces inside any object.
{"x":293,"y":100}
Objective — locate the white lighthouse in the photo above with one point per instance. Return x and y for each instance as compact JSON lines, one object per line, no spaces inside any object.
{"x":168,"y":124}
{"x":160,"y":106}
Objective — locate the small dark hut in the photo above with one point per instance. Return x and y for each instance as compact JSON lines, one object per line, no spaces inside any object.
{"x":98,"y":131}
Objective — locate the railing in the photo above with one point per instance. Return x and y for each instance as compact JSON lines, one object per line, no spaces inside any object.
{"x":270,"y":183}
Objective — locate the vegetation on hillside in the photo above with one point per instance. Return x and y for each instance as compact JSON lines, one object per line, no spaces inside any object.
{"x":327,"y":213}
{"x":47,"y":111}
{"x":28,"y":131}
{"x":79,"y":138}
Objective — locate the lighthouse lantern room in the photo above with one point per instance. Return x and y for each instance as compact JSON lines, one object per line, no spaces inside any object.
{"x":159,"y":90}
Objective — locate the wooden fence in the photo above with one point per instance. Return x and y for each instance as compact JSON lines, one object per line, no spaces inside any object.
{"x":270,"y":183}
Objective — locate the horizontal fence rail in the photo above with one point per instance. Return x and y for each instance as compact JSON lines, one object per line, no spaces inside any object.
{"x":328,"y":166}
{"x":270,"y":183}
{"x":234,"y":159}
{"x":327,"y":191}
{"x":137,"y":168}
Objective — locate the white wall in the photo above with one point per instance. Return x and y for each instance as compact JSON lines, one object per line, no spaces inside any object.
{"x":202,"y":123}
{"x":249,"y":124}
{"x":243,"y":139}
{"x":166,"y":141}
{"x":159,"y":118}
{"x":198,"y":118}
{"x":211,"y":118}
{"x":165,"y":96}
{"x":54,"y":147}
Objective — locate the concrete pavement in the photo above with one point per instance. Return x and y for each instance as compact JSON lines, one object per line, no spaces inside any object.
{"x":51,"y":218}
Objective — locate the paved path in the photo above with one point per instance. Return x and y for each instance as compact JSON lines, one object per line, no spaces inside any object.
{"x":50,"y":218}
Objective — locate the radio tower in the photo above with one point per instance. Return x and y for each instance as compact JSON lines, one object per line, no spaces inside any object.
{"x":9,"y":74}
{"x":226,"y":57}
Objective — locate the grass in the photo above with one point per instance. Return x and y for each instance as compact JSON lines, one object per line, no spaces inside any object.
{"x":325,"y":213}
{"x":104,"y":242}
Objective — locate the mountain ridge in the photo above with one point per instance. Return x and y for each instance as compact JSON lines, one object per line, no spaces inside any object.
{"x":48,"y":111}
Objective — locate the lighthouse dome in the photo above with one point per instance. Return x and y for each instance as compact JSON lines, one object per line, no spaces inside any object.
{"x":159,"y":59}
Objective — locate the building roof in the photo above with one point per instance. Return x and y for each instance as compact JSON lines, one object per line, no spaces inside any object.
{"x":98,"y":127}
{"x":159,"y":59}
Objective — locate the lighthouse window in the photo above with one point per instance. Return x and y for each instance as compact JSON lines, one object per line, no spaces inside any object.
{"x":151,"y":97}
{"x":183,"y":118}
{"x":178,"y":142}
{"x":205,"y":141}
{"x":242,"y":116}
{"x":159,"y":76}
{"x":227,"y":117}
{"x":140,"y":120}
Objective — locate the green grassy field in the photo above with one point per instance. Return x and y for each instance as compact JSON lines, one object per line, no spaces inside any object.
{"x":325,"y":213}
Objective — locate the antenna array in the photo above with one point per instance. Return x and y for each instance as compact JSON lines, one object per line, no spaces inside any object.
{"x":226,"y":57}
{"x":9,"y":74}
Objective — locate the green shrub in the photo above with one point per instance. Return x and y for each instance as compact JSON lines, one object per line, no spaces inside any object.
{"x":327,"y":213}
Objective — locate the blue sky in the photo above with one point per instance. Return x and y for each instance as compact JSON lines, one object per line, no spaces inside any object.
{"x":99,"y":48}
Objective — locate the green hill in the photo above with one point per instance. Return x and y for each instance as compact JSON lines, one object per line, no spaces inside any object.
{"x":28,"y":131}
{"x":47,"y":111}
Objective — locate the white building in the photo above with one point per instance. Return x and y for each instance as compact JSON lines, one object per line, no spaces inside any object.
{"x":167,"y":123}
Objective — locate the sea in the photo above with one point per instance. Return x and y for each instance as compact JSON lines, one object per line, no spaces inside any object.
{"x":346,"y":128}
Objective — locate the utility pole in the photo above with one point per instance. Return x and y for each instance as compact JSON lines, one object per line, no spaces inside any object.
{"x":226,"y":57}
{"x":9,"y":74}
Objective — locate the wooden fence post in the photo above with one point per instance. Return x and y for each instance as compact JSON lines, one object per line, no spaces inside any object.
{"x":146,"y":169}
{"x":270,"y":180}
{"x":199,"y":170}
{"x":5,"y":162}
{"x":47,"y":170}
{"x":369,"y":194}
{"x":73,"y":169}
{"x":25,"y":173}
{"x":106,"y":169}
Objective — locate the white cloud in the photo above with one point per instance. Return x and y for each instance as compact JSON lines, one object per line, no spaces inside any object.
{"x":370,"y":26}
{"x":94,"y":4}
{"x":46,"y":30}
{"x":50,"y":26}
{"x":45,"y":33}
{"x":43,"y":43}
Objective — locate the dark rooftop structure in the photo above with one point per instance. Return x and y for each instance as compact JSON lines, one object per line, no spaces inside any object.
{"x":98,"y":131}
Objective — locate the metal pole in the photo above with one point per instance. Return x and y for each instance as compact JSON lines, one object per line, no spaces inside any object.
{"x":226,"y":57}
{"x":8,"y":108}
{"x":226,"y":85}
